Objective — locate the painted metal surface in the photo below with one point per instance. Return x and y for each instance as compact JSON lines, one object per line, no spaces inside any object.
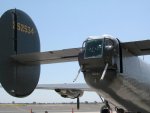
{"x":18,"y":35}
{"x":129,"y":90}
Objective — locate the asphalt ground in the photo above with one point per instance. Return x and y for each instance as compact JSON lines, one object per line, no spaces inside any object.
{"x":50,"y":108}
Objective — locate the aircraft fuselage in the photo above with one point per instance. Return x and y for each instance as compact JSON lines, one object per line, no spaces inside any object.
{"x":128,"y":87}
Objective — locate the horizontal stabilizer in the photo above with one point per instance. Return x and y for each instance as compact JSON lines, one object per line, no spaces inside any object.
{"x":65,"y":55}
{"x":138,"y":47}
{"x":77,"y":86}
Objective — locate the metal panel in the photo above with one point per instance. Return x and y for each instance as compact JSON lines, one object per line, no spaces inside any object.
{"x":138,"y":47}
{"x":65,"y":55}
{"x":18,"y":35}
{"x":77,"y":86}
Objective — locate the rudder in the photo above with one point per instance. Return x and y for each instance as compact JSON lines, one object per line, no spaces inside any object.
{"x":18,"y":35}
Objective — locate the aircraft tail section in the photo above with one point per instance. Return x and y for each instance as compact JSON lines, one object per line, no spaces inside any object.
{"x":138,"y":48}
{"x":18,"y":35}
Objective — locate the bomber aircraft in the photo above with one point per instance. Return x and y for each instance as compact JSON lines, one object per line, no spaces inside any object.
{"x":111,"y":68}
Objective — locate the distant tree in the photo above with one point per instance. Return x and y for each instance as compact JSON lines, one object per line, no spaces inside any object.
{"x":34,"y":102}
{"x":95,"y":102}
{"x":86,"y":102}
{"x":71,"y":103}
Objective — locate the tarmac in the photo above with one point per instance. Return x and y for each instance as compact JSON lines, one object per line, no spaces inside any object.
{"x":49,"y":108}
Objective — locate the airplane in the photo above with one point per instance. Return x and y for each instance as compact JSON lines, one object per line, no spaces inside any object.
{"x":111,"y":68}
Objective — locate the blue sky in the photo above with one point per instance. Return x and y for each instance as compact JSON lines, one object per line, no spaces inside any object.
{"x":67,"y":23}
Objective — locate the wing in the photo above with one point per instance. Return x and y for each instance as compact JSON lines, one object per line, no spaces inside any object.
{"x":77,"y":86}
{"x":65,"y":55}
{"x":138,"y":47}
